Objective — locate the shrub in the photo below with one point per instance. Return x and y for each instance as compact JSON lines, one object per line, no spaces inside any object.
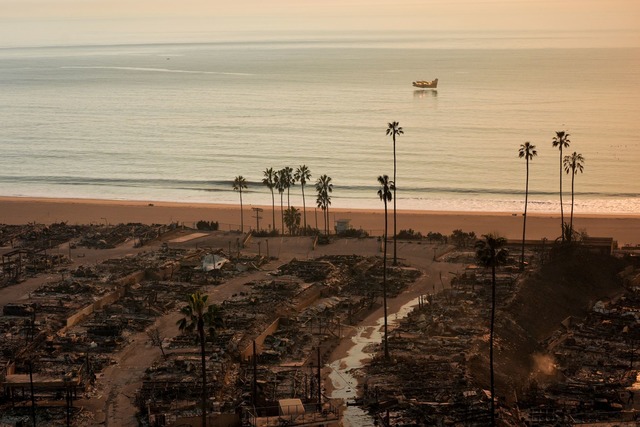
{"x":463,"y":239}
{"x":409,"y":235}
{"x":207,"y":225}
{"x":436,"y":237}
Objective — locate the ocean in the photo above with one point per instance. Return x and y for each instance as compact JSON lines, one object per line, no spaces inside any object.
{"x":177,"y":122}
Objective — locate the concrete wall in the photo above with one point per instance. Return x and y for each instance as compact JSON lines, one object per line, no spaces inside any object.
{"x":248,"y":351}
{"x":97,"y":305}
{"x":110,"y":298}
{"x":309,"y":296}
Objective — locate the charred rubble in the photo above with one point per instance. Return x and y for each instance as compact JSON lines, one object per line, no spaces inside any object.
{"x":294,"y":320}
{"x":581,"y":369}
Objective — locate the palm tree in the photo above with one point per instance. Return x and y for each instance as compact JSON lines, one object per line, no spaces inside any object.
{"x":573,"y":164}
{"x":528,"y":151}
{"x":324,"y":187}
{"x":280,"y":185}
{"x":292,"y":219}
{"x":303,"y":174}
{"x":394,"y":129}
{"x":320,"y":202}
{"x":270,"y":181}
{"x":197,"y":314}
{"x":490,"y":253}
{"x":561,"y":140}
{"x":385,"y":195}
{"x":289,"y":181}
{"x":238,"y":184}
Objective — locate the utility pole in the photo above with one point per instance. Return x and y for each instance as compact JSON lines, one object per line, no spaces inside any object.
{"x":319,"y":382}
{"x":255,"y":375}
{"x":257,"y":211}
{"x":69,"y":398}
{"x":33,"y":398}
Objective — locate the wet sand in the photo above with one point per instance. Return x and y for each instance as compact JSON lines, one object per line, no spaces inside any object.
{"x":15,"y":210}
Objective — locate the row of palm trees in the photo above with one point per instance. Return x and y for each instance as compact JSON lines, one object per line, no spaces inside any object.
{"x":324,"y":188}
{"x":286,"y":178}
{"x":282,"y":180}
{"x":572,"y":164}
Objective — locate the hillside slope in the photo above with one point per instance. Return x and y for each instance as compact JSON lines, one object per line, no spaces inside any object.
{"x":542,"y":300}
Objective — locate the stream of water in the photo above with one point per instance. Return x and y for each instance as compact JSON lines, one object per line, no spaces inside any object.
{"x":344,"y":382}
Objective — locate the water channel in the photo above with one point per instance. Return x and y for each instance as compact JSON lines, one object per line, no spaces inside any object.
{"x":344,"y":383}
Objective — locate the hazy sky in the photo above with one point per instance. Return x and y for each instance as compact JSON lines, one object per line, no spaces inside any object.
{"x":44,"y":22}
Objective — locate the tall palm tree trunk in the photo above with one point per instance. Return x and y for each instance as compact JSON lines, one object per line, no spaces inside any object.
{"x":304,"y":210}
{"x":561,"y":206}
{"x":324,"y":217}
{"x":493,"y":318}
{"x":524,"y":222}
{"x":204,"y":371}
{"x":573,"y":176}
{"x":282,"y":212}
{"x":273,"y":210}
{"x":395,"y":233}
{"x":327,"y":219}
{"x":384,"y":282}
{"x":241,"y":214}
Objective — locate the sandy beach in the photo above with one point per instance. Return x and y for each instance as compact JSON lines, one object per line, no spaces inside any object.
{"x":14,"y":210}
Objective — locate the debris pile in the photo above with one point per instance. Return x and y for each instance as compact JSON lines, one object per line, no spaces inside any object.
{"x":70,"y":326}
{"x":428,"y":379}
{"x":289,"y":318}
{"x":20,"y":264}
{"x":588,"y":372}
{"x":37,"y":248}
{"x":438,"y":373}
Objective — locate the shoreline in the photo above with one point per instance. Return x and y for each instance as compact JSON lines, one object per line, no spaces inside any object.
{"x":195,"y":205}
{"x":624,"y":228}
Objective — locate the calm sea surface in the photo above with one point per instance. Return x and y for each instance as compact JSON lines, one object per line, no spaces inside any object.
{"x":179,"y":122}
